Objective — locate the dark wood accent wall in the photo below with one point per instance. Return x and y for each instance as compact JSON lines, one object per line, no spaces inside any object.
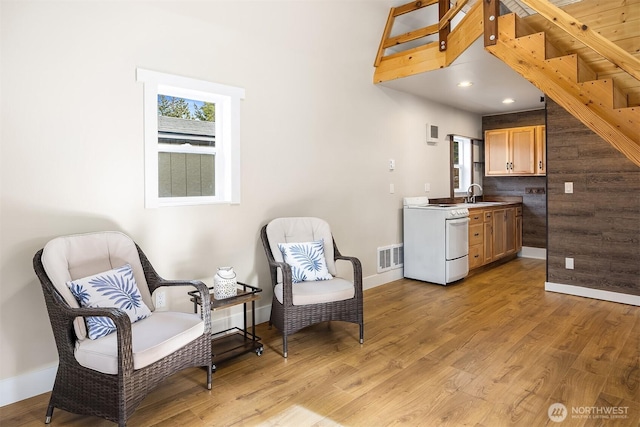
{"x":534,"y":206}
{"x":599,"y":224}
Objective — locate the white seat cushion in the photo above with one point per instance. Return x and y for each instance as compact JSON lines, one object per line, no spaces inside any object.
{"x":153,"y":338}
{"x":336,"y":289}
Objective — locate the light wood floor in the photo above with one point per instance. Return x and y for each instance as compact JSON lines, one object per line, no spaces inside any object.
{"x":493,"y":350}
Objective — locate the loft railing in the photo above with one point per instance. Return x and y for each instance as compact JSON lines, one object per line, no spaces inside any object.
{"x":446,"y":14}
{"x":488,"y":16}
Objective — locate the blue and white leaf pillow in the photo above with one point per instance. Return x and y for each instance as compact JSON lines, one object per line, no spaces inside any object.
{"x":306,"y":260}
{"x":114,"y":288}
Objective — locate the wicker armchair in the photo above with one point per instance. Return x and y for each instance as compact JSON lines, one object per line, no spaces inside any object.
{"x":298,"y":305}
{"x":138,"y":361}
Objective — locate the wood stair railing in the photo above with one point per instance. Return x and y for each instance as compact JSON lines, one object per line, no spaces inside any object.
{"x":568,"y":81}
{"x":598,"y":103}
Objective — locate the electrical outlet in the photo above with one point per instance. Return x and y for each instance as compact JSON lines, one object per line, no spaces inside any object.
{"x":568,"y":187}
{"x":568,"y":263}
{"x":161,"y":299}
{"x":534,"y":190}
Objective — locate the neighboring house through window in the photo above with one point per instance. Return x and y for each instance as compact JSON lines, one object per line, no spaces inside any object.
{"x":192,"y":140}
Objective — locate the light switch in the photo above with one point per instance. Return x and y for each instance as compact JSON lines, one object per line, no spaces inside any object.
{"x":392,"y":189}
{"x":568,"y":187}
{"x":568,"y":263}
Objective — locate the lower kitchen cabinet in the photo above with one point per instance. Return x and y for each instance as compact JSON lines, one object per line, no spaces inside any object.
{"x":476,"y":238}
{"x":494,"y":233}
{"x":518,"y":228}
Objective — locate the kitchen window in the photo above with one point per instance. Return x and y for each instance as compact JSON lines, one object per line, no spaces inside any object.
{"x":192,"y":140}
{"x":461,"y":165}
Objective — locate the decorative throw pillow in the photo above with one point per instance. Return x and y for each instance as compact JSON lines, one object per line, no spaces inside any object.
{"x":113,"y":288}
{"x":306,"y":260}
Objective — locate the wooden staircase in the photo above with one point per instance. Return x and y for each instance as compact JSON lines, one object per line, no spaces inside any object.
{"x":608,"y":108}
{"x":598,"y":103}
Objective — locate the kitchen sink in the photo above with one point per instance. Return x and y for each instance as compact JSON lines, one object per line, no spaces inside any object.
{"x":467,"y":205}
{"x":478,"y":204}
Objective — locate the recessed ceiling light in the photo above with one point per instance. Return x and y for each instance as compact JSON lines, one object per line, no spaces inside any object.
{"x":508,"y":101}
{"x":465,"y":84}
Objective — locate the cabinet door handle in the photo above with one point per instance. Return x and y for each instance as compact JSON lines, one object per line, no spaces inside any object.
{"x":540,"y":164}
{"x":476,"y":256}
{"x":476,"y":234}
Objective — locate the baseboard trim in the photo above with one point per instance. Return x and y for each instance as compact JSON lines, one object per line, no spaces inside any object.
{"x":27,"y":385}
{"x":531,"y":252}
{"x":593,"y":293}
{"x":382,"y":278}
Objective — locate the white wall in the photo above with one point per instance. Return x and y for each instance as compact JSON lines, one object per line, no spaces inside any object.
{"x":316,"y":138}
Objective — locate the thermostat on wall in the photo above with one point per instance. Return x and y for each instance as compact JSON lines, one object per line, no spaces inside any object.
{"x":432,"y":134}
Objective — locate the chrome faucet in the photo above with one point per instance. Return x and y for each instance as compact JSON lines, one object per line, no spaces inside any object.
{"x":471,"y":197}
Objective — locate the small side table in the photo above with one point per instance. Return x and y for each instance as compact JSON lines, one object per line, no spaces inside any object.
{"x":234,"y":341}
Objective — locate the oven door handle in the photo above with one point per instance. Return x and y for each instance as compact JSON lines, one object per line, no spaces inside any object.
{"x":457,"y":221}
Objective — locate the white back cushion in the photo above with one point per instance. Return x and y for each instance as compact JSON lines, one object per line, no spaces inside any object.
{"x":74,"y":257}
{"x":297,"y":230}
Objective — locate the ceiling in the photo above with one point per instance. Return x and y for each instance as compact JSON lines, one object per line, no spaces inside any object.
{"x":493,"y":81}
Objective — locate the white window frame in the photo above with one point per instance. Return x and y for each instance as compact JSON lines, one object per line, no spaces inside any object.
{"x":227,"y":131}
{"x":464,"y":166}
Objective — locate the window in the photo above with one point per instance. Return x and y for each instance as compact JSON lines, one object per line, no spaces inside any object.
{"x":462,"y":166}
{"x":192,"y":140}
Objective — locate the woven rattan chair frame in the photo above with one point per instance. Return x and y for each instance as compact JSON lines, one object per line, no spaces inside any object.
{"x":289,"y":318}
{"x":115,"y":397}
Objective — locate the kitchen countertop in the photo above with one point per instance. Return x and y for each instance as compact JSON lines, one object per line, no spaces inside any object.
{"x":486,"y":202}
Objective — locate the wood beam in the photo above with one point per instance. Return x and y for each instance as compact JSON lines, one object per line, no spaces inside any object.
{"x":443,"y":29}
{"x":385,"y":36}
{"x":491,"y":11}
{"x":411,"y":35}
{"x":465,"y":33}
{"x":413,"y":61}
{"x":410,"y":7}
{"x":447,"y":17}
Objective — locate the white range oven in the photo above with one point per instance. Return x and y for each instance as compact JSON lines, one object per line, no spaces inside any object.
{"x":436,"y":241}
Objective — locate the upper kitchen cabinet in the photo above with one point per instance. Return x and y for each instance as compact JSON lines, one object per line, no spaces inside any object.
{"x":515,"y":151}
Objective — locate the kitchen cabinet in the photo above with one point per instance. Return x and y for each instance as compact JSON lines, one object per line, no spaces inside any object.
{"x":518,"y":228}
{"x":504,"y":232}
{"x":494,"y":233}
{"x":488,"y":236}
{"x":476,"y":238}
{"x":515,"y":151}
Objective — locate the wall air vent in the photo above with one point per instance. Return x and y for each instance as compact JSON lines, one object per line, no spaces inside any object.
{"x":390,"y":257}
